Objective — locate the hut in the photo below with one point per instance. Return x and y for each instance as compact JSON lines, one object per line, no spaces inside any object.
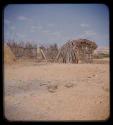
{"x":76,"y":51}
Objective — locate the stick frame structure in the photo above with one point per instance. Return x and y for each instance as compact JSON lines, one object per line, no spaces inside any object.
{"x":75,"y":51}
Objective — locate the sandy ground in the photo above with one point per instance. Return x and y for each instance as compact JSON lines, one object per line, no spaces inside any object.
{"x":27,"y":97}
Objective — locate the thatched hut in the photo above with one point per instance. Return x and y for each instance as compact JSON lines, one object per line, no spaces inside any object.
{"x":75,"y":51}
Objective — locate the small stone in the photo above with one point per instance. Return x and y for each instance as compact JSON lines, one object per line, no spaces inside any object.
{"x":41,"y":84}
{"x":68,"y":85}
{"x":105,"y":89}
{"x":100,"y":101}
{"x":52,"y":88}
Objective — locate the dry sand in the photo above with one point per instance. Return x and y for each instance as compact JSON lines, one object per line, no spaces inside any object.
{"x":82,"y":92}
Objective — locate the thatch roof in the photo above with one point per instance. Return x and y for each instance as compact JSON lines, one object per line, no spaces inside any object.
{"x":80,"y":42}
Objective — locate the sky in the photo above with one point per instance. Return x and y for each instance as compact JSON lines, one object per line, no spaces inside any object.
{"x":56,"y":23}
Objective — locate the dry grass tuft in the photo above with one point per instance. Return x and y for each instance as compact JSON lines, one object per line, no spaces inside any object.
{"x":9,"y":57}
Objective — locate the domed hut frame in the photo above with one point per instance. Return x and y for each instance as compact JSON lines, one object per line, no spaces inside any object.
{"x":75,"y":51}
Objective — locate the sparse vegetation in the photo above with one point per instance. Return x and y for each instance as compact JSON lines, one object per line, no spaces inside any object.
{"x":100,"y":56}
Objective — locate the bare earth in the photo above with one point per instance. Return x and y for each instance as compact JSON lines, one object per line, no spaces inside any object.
{"x":82,"y":91}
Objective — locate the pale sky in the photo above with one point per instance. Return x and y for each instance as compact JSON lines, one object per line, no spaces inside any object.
{"x":56,"y":23}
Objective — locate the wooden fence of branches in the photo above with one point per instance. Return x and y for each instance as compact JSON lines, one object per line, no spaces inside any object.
{"x":29,"y":50}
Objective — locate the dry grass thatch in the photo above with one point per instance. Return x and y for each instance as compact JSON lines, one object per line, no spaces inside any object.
{"x":9,"y":57}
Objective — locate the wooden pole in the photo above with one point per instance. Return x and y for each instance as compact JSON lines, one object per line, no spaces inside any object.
{"x":57,"y":56}
{"x":43,"y":54}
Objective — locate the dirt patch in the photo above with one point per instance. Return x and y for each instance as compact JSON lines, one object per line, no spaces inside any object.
{"x":57,"y":92}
